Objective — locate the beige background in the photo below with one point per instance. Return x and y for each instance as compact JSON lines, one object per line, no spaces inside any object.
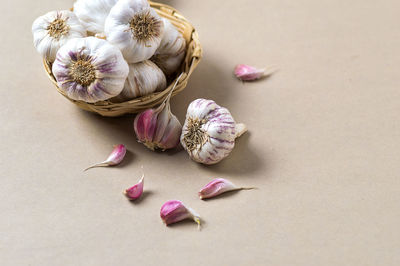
{"x":323,"y":146}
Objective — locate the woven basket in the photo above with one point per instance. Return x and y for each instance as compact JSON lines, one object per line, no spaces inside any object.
{"x":192,"y":58}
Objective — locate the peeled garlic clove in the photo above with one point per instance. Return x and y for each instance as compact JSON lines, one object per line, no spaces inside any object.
{"x":136,"y":191}
{"x":116,"y":157}
{"x":144,"y":78}
{"x":209,"y":132}
{"x":248,"y":73}
{"x":170,"y":53}
{"x":54,"y":29}
{"x":90,"y":69}
{"x":93,"y":13}
{"x":217,"y":187}
{"x":135,"y":28}
{"x":174,"y":211}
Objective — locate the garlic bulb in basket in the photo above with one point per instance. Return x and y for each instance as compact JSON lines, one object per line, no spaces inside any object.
{"x":143,"y":78}
{"x":93,"y":13}
{"x":135,"y":28}
{"x":90,"y":69}
{"x":209,"y":132}
{"x":54,"y":29}
{"x":171,"y":51}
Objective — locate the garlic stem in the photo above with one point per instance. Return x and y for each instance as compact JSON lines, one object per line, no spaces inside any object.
{"x":102,"y":164}
{"x":240,"y":129}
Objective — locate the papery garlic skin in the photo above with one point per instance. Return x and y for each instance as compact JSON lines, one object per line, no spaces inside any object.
{"x":174,"y":211}
{"x":136,"y":191}
{"x":248,"y":73}
{"x":209,"y":132}
{"x":217,"y":187}
{"x":115,"y":157}
{"x":170,"y":53}
{"x":53,"y":30}
{"x":143,"y":79}
{"x":93,"y":13}
{"x":90,"y":69}
{"x":135,"y":28}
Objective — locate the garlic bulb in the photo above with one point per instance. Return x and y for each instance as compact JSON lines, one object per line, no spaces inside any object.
{"x":172,"y":49}
{"x":90,"y":69}
{"x":54,"y":29}
{"x":209,"y":132}
{"x":135,"y":29}
{"x":143,"y":78}
{"x":93,"y":13}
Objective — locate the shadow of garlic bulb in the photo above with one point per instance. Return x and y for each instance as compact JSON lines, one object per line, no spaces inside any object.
{"x":53,"y":30}
{"x":93,"y":13}
{"x":135,"y":28}
{"x":90,"y":69}
{"x":209,"y":132}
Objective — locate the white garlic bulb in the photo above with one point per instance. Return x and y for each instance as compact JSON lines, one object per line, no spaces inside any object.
{"x":90,"y":69}
{"x":93,"y":13}
{"x":54,"y":29}
{"x":143,"y":78}
{"x":171,"y":51}
{"x":209,"y":132}
{"x":135,"y":28}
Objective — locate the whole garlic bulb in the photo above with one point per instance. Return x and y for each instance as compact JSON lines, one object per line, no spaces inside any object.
{"x":172,"y":49}
{"x":54,"y":29}
{"x":135,"y":28}
{"x":90,"y":69}
{"x":93,"y":13}
{"x":143,"y":78}
{"x":209,"y":132}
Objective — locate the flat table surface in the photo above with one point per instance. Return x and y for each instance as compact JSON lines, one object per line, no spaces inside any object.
{"x":323,"y":146}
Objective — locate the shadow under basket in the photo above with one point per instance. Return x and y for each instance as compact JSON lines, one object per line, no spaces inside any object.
{"x":192,"y":58}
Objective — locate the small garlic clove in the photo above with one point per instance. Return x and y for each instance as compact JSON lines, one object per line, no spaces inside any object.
{"x":174,"y":211}
{"x":136,"y":191}
{"x":116,"y":156}
{"x":248,"y":73}
{"x":217,"y":187}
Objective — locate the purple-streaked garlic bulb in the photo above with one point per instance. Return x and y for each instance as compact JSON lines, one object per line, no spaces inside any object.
{"x":170,"y":53}
{"x":144,"y":78}
{"x":209,"y":132}
{"x":135,"y":28}
{"x":54,"y":29}
{"x":90,"y":69}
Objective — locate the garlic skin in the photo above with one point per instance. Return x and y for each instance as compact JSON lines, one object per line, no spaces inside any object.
{"x":249,"y":73}
{"x":171,"y":51}
{"x":93,"y":13}
{"x":90,"y":69}
{"x":174,"y":211}
{"x":217,"y":187}
{"x":136,"y":191}
{"x":53,"y":30}
{"x":144,"y":78}
{"x":209,"y":132}
{"x":135,"y":28}
{"x":116,"y":157}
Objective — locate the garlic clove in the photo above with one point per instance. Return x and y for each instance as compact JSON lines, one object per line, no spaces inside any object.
{"x":249,"y":73}
{"x":53,"y":30}
{"x":217,"y":187}
{"x":93,"y":13}
{"x":209,"y":132}
{"x":174,"y":211}
{"x":136,"y":191}
{"x":135,"y":28}
{"x":90,"y":69}
{"x":116,"y":157}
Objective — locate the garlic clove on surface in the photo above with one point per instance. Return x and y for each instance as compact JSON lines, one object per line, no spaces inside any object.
{"x":249,"y":73}
{"x":93,"y":13}
{"x":90,"y":69}
{"x":53,"y":30}
{"x":209,"y":132}
{"x":144,"y":78}
{"x":136,"y":191}
{"x":135,"y":28}
{"x":170,"y":53}
{"x":174,"y":211}
{"x":217,"y":187}
{"x":116,"y":157}
{"x":158,"y":128}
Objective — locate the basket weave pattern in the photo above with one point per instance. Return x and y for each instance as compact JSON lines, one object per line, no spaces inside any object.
{"x":192,"y":58}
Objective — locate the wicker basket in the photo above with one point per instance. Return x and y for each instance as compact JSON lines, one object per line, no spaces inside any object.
{"x":192,"y":58}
